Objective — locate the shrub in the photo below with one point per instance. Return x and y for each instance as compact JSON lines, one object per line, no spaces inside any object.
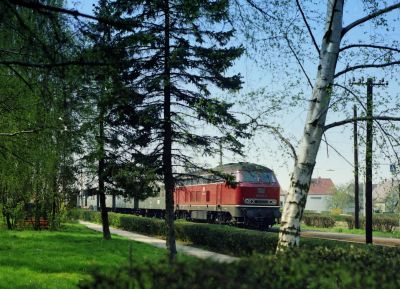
{"x":308,"y":268}
{"x":318,"y":220}
{"x":220,"y":238}
{"x":379,"y":223}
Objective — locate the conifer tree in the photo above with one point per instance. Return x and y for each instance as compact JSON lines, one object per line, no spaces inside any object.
{"x":178,"y":50}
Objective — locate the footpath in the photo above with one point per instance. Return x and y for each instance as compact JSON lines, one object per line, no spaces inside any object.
{"x":159,"y":243}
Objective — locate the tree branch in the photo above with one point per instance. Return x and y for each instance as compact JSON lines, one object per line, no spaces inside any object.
{"x":339,"y":154}
{"x":21,"y":77}
{"x":380,"y":65}
{"x":351,"y":120}
{"x":368,"y":46}
{"x":369,"y":17}
{"x":259,"y":9}
{"x":298,"y":61}
{"x":36,"y":5}
{"x":308,"y":26}
{"x":18,"y":132}
{"x":52,"y":65}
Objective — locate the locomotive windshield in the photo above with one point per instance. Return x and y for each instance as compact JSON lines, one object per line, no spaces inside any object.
{"x":257,"y":177}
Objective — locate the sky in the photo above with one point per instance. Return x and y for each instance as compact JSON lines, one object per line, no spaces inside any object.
{"x":265,"y":149}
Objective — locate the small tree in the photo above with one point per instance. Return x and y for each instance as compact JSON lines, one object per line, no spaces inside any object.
{"x":342,"y":198}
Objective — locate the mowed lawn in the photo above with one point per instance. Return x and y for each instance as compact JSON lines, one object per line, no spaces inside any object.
{"x":60,"y":259}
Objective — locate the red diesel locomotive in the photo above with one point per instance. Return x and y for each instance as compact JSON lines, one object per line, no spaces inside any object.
{"x":253,"y":202}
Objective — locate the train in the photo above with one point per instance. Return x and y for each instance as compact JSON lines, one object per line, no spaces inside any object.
{"x":252,"y":201}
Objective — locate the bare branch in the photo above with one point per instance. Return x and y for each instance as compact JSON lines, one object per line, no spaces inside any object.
{"x":298,"y":61}
{"x":308,"y":26}
{"x":362,"y":66}
{"x":36,"y":5}
{"x":369,"y":17}
{"x":351,"y":120}
{"x":52,"y":65}
{"x":368,"y":46}
{"x":259,"y":9}
{"x":18,"y":132}
{"x":339,"y":154}
{"x":389,"y":138}
{"x":353,"y":94}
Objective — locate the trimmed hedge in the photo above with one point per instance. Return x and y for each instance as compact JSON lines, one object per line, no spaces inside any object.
{"x":318,"y":220}
{"x":372,"y":268}
{"x":379,"y":223}
{"x":220,"y":238}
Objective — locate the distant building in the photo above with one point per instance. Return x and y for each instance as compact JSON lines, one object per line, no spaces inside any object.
{"x":319,"y":194}
{"x":385,"y":196}
{"x":321,"y":190}
{"x":283,"y":195}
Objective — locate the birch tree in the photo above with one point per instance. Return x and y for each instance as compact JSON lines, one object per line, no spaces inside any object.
{"x":284,"y":34}
{"x":314,"y":127}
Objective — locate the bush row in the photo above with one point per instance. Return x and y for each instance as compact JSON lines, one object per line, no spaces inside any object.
{"x":318,"y":220}
{"x":382,"y":223}
{"x":224,"y":239}
{"x":371,"y":267}
{"x":379,"y":223}
{"x":220,"y":238}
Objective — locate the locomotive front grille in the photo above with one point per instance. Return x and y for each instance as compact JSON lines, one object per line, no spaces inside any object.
{"x":249,"y":201}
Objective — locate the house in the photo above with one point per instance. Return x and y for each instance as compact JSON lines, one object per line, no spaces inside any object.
{"x":319,"y":194}
{"x":320,"y":191}
{"x":282,"y":197}
{"x":385,"y":196}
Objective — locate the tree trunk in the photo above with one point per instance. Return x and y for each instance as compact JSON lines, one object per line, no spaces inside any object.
{"x":313,"y":130}
{"x":100,"y":175}
{"x":8,"y":221}
{"x":167,"y":151}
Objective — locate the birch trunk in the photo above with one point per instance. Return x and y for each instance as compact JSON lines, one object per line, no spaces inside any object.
{"x":313,"y":129}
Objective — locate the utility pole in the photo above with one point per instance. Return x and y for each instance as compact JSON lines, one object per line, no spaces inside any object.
{"x":220,"y":152}
{"x":356,"y":184}
{"x":368,"y":165}
{"x":368,"y":154}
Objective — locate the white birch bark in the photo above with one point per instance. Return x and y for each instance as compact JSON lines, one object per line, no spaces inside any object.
{"x":313,"y":130}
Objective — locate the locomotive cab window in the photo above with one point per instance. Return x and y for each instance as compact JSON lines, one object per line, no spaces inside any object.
{"x":257,"y":177}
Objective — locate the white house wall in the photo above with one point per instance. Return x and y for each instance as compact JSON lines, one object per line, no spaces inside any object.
{"x":317,"y":203}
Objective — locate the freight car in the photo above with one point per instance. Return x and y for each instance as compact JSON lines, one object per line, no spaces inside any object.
{"x":252,"y":202}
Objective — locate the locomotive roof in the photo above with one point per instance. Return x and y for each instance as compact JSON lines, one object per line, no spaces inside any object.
{"x":242,"y":166}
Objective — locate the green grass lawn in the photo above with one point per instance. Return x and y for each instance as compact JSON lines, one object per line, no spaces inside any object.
{"x":60,"y":259}
{"x":395,"y":234}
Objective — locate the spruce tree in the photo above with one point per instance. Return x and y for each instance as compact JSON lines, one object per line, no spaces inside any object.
{"x":178,"y":48}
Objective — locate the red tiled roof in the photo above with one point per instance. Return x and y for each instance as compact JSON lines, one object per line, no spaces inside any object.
{"x":321,"y":186}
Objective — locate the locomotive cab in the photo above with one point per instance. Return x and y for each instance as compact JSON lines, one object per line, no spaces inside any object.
{"x":258,"y":196}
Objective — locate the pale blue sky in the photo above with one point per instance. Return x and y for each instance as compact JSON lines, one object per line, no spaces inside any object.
{"x":265,"y":150}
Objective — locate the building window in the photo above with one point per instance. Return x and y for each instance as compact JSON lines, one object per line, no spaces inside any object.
{"x":316,"y":198}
